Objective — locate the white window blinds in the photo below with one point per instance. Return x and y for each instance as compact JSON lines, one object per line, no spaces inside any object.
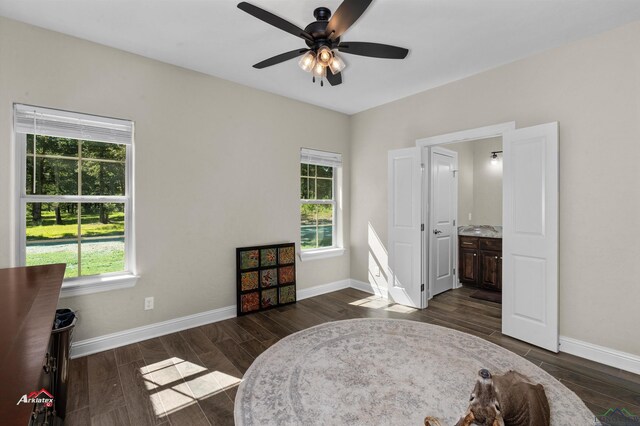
{"x":64,"y":124}
{"x":320,"y":158}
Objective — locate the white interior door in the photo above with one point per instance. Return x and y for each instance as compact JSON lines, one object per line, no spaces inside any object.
{"x":442,"y":215}
{"x":404,"y":215}
{"x":530,"y":235}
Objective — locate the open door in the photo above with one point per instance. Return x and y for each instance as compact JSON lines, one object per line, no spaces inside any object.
{"x":442,"y":219}
{"x":404,"y":192}
{"x":530,"y":235}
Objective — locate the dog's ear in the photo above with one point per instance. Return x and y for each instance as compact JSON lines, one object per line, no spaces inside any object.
{"x":466,"y":420}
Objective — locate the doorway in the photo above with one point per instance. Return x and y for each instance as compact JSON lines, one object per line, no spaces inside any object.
{"x":530,"y":227}
{"x":463,"y":184}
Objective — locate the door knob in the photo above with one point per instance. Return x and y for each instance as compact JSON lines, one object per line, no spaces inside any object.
{"x":437,"y":231}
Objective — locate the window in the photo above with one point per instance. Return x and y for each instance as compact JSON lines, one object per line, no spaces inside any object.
{"x":75,"y":199}
{"x":318,"y":206}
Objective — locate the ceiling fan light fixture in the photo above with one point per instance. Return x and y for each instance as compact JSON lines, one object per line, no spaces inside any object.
{"x":323,"y":36}
{"x":337,"y":64}
{"x":324,"y":56}
{"x":308,"y":61}
{"x":319,"y":70}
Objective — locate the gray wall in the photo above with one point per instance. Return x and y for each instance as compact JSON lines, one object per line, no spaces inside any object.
{"x":592,"y":88}
{"x":487,"y":183}
{"x":479,"y":182}
{"x":465,"y":180}
{"x":217,"y":167}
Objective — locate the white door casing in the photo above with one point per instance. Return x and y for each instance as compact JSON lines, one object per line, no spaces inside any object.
{"x":404,"y":216}
{"x":480,"y":133}
{"x":530,"y":235}
{"x":530,"y":229}
{"x":443,"y":189}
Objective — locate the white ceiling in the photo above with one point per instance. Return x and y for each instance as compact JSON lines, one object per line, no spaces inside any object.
{"x":447,"y":39}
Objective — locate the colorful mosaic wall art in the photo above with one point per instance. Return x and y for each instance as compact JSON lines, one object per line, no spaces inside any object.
{"x":249,"y":280}
{"x":266,"y":277}
{"x":287,"y":294}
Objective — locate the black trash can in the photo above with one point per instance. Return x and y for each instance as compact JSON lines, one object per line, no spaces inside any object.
{"x":63,"y":326}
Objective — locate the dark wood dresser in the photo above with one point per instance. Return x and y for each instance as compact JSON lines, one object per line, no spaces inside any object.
{"x":27,"y":312}
{"x":480,"y":262}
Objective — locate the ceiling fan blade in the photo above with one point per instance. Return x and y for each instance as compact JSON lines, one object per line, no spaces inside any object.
{"x":274,"y":20}
{"x":374,"y":50}
{"x":280,"y":58}
{"x":345,"y":15}
{"x":334,"y":79}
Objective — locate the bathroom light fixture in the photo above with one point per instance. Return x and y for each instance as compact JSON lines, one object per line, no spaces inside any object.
{"x":494,"y":157}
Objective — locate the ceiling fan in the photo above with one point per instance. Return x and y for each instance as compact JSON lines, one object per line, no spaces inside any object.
{"x":323,"y":39}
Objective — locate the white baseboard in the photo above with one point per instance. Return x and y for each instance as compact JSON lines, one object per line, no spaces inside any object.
{"x":305,"y":293}
{"x":367,"y":287}
{"x":138,"y":334}
{"x":607,"y":356}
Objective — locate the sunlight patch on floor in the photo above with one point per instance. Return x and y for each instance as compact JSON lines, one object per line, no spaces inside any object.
{"x":211,"y":384}
{"x":187,"y":368}
{"x":373,"y":302}
{"x":175,"y":384}
{"x":400,"y":309}
{"x":175,"y":399}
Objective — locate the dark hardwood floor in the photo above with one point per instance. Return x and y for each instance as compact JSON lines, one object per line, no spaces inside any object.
{"x":191,"y":377}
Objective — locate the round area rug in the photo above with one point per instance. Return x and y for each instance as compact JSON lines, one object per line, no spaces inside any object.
{"x":381,"y":372}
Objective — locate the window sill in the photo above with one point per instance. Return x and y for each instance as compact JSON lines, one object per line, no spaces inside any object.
{"x":97,"y":284}
{"x":321,"y":254}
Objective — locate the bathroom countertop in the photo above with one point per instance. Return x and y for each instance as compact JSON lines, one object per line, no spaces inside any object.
{"x":485,"y":231}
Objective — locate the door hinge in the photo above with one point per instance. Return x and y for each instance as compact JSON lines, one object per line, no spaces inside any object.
{"x":454,"y":222}
{"x":454,"y":271}
{"x":422,"y":227}
{"x":421,"y":287}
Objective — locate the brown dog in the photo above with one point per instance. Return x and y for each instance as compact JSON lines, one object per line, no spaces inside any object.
{"x":504,"y":400}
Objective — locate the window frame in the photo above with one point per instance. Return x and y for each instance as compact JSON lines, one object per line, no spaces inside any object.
{"x":75,"y":286}
{"x":333,"y":160}
{"x":332,"y":201}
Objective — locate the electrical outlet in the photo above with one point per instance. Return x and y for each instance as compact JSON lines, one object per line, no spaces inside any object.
{"x":377,"y":271}
{"x":148,"y":303}
{"x":469,"y":217}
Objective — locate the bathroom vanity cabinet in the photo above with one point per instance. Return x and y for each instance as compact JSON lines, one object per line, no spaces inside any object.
{"x":480,"y":262}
